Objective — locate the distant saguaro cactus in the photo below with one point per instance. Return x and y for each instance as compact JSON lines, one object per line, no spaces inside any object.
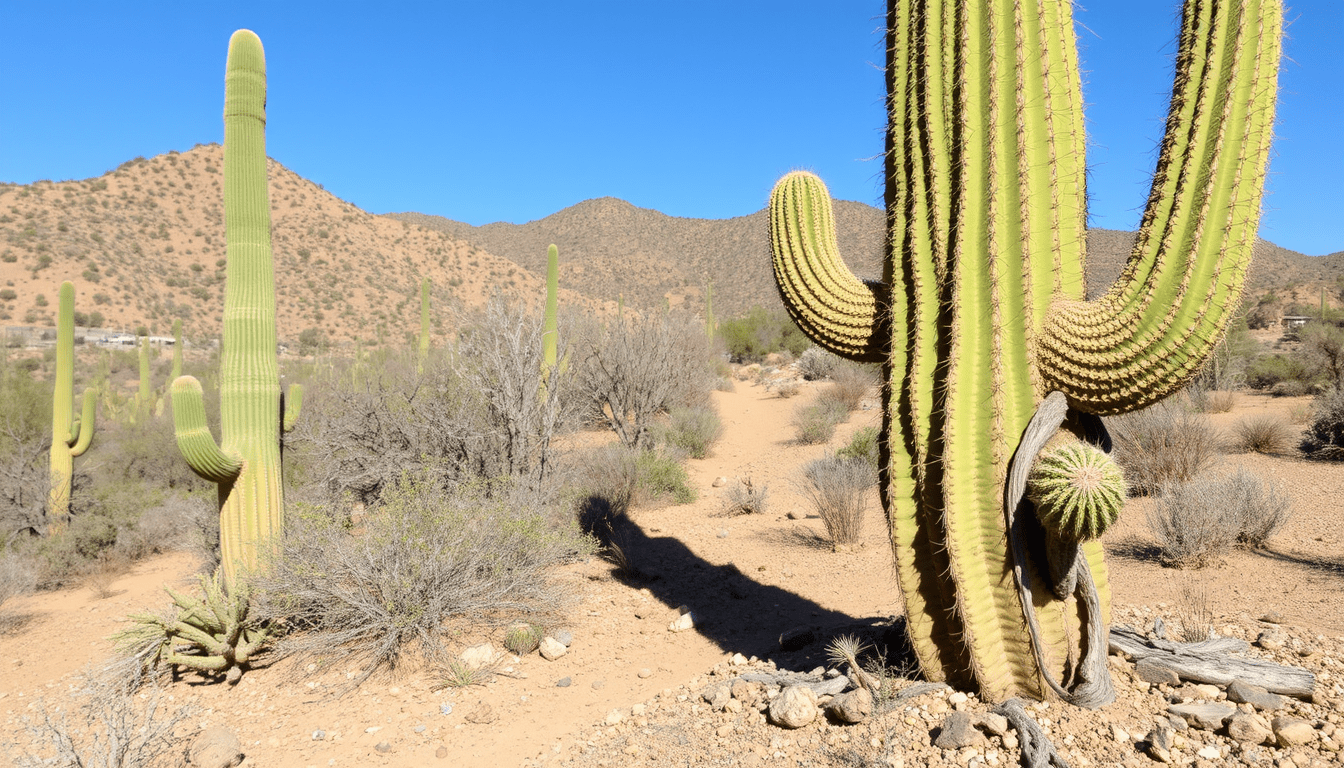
{"x":70,"y":437}
{"x":177,"y":351}
{"x":980,"y":321}
{"x":550,"y":324}
{"x":424,"y":322}
{"x":246,"y":461}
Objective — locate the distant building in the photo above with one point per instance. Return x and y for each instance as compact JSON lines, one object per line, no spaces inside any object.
{"x":1293,"y":322}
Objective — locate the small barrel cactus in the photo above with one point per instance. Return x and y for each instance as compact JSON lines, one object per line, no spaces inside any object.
{"x":1078,"y":491}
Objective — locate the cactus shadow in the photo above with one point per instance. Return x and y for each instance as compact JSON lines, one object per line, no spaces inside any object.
{"x":731,"y":609}
{"x":1332,"y":566}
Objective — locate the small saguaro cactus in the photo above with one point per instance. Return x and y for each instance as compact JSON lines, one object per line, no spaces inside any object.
{"x":550,"y":328}
{"x":987,"y":344}
{"x":246,"y":461}
{"x":424,"y":322}
{"x":70,"y":436}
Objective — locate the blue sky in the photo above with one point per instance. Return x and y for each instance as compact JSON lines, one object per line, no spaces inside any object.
{"x":486,"y":111}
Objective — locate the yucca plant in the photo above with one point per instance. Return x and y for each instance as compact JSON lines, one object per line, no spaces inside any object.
{"x":980,"y":315}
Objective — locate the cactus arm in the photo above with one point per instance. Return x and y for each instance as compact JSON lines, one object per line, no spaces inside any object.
{"x":198,"y":446}
{"x":1153,"y":330}
{"x":82,"y":435}
{"x":833,"y":307}
{"x":293,"y":404}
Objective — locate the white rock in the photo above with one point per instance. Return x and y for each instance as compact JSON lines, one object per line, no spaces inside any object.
{"x":737,"y":660}
{"x":794,"y":707}
{"x":478,"y":656}
{"x":1119,"y":734}
{"x":682,"y":623}
{"x":551,"y":649}
{"x":614,"y":717}
{"x":1209,"y":753}
{"x":956,"y":698}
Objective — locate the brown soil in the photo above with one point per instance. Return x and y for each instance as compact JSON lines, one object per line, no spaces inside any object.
{"x":746,"y":580}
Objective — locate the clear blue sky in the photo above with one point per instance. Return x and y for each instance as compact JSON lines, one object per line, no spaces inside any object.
{"x":509,"y":111}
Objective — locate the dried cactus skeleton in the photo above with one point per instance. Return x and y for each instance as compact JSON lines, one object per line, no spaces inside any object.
{"x":981,"y":314}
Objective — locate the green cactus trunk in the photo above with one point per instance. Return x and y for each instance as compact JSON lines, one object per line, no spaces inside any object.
{"x":424,"y":323}
{"x":980,"y":314}
{"x":70,"y":437}
{"x":246,"y":462}
{"x":550,"y":329}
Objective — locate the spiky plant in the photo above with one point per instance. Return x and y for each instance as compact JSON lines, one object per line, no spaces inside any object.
{"x":70,"y":436}
{"x":246,"y":461}
{"x":980,"y":314}
{"x":1078,"y":491}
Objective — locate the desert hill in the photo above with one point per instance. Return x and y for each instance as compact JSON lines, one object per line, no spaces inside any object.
{"x":144,"y":244}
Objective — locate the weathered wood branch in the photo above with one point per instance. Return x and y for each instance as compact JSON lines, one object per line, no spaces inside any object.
{"x":1210,"y":662}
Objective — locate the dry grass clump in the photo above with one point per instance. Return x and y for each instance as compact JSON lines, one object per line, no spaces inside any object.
{"x":1213,"y":400}
{"x":744,"y":497}
{"x":1264,"y":433}
{"x":424,"y":556}
{"x":852,"y":382}
{"x":1199,"y":521}
{"x":816,"y":363}
{"x":1195,"y":612}
{"x":1162,"y":444}
{"x":838,"y":490}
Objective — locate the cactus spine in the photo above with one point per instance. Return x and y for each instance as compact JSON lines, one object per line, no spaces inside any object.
{"x":70,"y":437}
{"x":246,"y":461}
{"x":424,"y":322}
{"x":980,"y":314}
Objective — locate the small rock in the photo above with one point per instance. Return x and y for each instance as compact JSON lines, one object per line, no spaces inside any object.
{"x":564,"y":636}
{"x":794,"y":707}
{"x":1160,"y":741}
{"x":645,"y":673}
{"x":1206,"y":691}
{"x":1249,"y":729}
{"x":373,"y":729}
{"x":215,"y":747}
{"x":724,"y":731}
{"x":797,"y":638}
{"x":719,"y":482}
{"x":956,"y":698}
{"x":1150,"y":671}
{"x":1119,"y":734}
{"x":852,"y":707}
{"x":996,"y":724}
{"x":1009,"y":740}
{"x":723,"y":533}
{"x":1292,"y":732}
{"x":1209,"y":753}
{"x":446,"y":708}
{"x":1245,"y":693}
{"x":481,"y":714}
{"x":637,"y":710}
{"x":319,"y":735}
{"x":737,"y":660}
{"x":478,"y":656}
{"x":383,"y":746}
{"x":419,"y":729}
{"x":1272,"y":617}
{"x":564,"y":682}
{"x":717,"y":696}
{"x":233,"y":675}
{"x":1271,"y":639}
{"x":551,"y":649}
{"x":795,"y":514}
{"x":958,"y":732}
{"x":750,"y":694}
{"x":598,"y":685}
{"x":682,"y":623}
{"x":613,"y":717}
{"x":1209,"y":717}
{"x":441,"y":752}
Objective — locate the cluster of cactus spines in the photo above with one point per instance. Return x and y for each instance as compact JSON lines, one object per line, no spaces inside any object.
{"x":550,"y":324}
{"x":246,"y":461}
{"x":1078,"y":491}
{"x":424,"y":321}
{"x":981,"y":311}
{"x":216,"y":627}
{"x":70,"y":436}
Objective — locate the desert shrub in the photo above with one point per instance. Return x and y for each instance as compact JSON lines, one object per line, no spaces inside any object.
{"x":110,"y":725}
{"x":816,"y":363}
{"x":851,"y":383}
{"x":25,"y":437}
{"x":1199,"y":521}
{"x":424,"y":556}
{"x":1264,"y":433}
{"x":816,"y":421}
{"x":18,"y":576}
{"x":1266,"y":371}
{"x":759,"y":333}
{"x":1211,"y":400}
{"x":607,"y":479}
{"x":724,"y":384}
{"x":636,"y":368}
{"x":693,"y":429}
{"x":838,"y":490}
{"x":744,"y":497}
{"x":662,"y":476}
{"x":1224,"y":370}
{"x":1322,"y":352}
{"x":1161,"y":444}
{"x":1292,"y":388}
{"x":1324,"y":438}
{"x":787,"y":388}
{"x":862,"y":446}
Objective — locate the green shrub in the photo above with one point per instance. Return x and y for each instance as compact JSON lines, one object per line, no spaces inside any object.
{"x":693,"y":430}
{"x":1264,"y":372}
{"x":1325,"y":437}
{"x":759,"y":333}
{"x":662,"y":476}
{"x":862,"y":445}
{"x":816,"y":421}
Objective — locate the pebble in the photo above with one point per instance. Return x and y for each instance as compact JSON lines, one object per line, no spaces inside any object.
{"x":644,"y":674}
{"x":419,"y":729}
{"x":551,"y":649}
{"x":564,"y":636}
{"x":683,"y":622}
{"x":563,"y":682}
{"x":598,"y":685}
{"x":446,"y":708}
{"x":613,"y":717}
{"x":441,"y":752}
{"x":1209,"y":717}
{"x":852,"y":707}
{"x":478,"y":656}
{"x":319,"y":735}
{"x":1292,"y":731}
{"x":383,"y":746}
{"x":958,"y":732}
{"x":1245,"y":693}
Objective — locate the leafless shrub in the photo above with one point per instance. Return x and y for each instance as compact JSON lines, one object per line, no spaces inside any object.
{"x":103,"y":579}
{"x":1264,"y":433}
{"x":744,"y":497}
{"x":851,"y":383}
{"x":1199,"y":521}
{"x":838,"y":490}
{"x":1162,"y":444}
{"x":109,"y":726}
{"x":1291,"y":388}
{"x":816,"y":363}
{"x":1299,"y":414}
{"x":425,"y":555}
{"x":636,"y":367}
{"x":18,"y":576}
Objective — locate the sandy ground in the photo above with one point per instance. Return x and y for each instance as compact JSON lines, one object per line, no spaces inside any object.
{"x":746,"y":579}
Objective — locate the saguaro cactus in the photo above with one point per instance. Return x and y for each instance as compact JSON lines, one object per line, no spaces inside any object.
{"x":177,"y":351}
{"x":424,"y":322}
{"x":70,"y":437}
{"x":143,"y":396}
{"x":246,"y":461}
{"x":550,"y":327}
{"x":980,"y":319}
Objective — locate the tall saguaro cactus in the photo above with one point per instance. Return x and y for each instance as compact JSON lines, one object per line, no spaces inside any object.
{"x":550,"y":327}
{"x":980,"y":319}
{"x":246,"y":461}
{"x":70,"y":436}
